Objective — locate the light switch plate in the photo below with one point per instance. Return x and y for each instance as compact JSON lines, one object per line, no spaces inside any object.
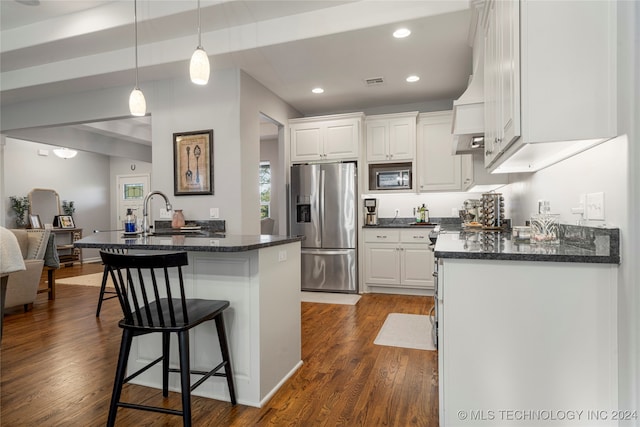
{"x":165,"y":214}
{"x":595,"y":206}
{"x":214,"y":213}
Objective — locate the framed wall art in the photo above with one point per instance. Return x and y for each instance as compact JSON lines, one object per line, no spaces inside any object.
{"x":193,"y":163}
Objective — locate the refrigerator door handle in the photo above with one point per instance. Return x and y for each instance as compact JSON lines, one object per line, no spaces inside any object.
{"x":321,"y":200}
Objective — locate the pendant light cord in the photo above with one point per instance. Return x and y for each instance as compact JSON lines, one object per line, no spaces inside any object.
{"x":199,"y":29}
{"x":135,"y":23}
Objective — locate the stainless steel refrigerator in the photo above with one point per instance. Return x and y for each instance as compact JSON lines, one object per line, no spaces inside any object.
{"x":323,"y":210}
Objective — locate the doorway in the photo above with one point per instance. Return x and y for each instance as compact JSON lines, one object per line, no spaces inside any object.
{"x":131,"y":191}
{"x":272,"y":177}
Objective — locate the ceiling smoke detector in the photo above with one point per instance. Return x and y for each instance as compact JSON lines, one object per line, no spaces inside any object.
{"x":374,"y":81}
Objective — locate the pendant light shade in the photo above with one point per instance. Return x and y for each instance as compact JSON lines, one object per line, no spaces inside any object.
{"x":137,"y":103}
{"x":199,"y":68}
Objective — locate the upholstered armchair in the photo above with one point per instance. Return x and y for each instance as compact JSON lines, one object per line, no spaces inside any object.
{"x":22,"y":286}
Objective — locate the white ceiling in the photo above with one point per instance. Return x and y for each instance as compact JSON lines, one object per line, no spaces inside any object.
{"x":289,"y":46}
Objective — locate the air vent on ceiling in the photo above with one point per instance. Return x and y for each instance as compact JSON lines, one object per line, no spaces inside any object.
{"x":374,"y":81}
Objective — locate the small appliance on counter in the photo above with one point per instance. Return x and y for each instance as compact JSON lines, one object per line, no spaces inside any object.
{"x":371,"y":214}
{"x":471,"y":213}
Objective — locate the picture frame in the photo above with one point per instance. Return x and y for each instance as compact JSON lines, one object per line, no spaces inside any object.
{"x":193,"y":163}
{"x":34,"y":221}
{"x":66,"y":221}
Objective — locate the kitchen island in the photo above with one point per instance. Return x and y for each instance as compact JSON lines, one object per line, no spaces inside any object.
{"x":527,"y":333}
{"x":260,"y":277}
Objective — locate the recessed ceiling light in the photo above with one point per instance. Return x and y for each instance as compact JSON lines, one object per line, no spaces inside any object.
{"x":413,"y":79}
{"x":401,"y":33}
{"x":317,"y":90}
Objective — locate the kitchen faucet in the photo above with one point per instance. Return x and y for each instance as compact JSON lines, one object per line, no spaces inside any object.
{"x":145,"y":210}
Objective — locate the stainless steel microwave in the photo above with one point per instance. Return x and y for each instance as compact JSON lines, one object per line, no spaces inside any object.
{"x":397,"y":179}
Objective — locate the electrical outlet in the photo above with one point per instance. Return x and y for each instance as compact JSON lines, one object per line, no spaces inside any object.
{"x":214,"y":213}
{"x":165,"y":214}
{"x":282,"y":255}
{"x":595,"y":206}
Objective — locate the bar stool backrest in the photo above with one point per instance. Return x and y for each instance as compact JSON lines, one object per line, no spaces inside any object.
{"x":143,"y":286}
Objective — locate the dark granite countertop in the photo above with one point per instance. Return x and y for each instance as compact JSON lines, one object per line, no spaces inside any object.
{"x":200,"y":241}
{"x":577,"y":244}
{"x":411,"y":223}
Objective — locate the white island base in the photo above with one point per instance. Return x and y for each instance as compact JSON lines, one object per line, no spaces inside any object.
{"x":262,"y":322}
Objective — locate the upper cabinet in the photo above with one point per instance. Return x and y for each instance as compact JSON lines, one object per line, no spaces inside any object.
{"x":336,"y":137}
{"x":438,"y":168}
{"x":391,"y":137}
{"x":550,"y":81}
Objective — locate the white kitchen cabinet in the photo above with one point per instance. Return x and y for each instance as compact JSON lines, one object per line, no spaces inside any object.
{"x":438,"y":168}
{"x":391,"y":137}
{"x":336,"y":137}
{"x":550,"y":81}
{"x":502,"y":86}
{"x":525,"y":335}
{"x":398,"y":261}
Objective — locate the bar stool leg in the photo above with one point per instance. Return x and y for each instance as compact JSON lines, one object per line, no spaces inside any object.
{"x":185,"y":376}
{"x":224,"y":349}
{"x":123,"y":357}
{"x":102,"y":289}
{"x":166,"y":340}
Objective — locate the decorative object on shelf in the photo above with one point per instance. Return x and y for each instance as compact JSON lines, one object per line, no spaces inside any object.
{"x":65,"y":221}
{"x":68,"y":207}
{"x":193,"y":162}
{"x":65,"y":153}
{"x":178,"y":219}
{"x":199,"y":68}
{"x":20,"y":206}
{"x":137,"y":103}
{"x":34,"y":221}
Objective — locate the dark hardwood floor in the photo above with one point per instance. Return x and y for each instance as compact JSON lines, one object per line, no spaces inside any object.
{"x":58,"y":362}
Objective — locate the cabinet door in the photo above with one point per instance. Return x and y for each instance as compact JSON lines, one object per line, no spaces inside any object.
{"x":416,"y":265}
{"x":382,"y":264}
{"x":491,"y":75}
{"x":439,"y":169}
{"x":377,"y":140}
{"x":508,"y":20}
{"x":402,"y":138}
{"x":306,"y":142}
{"x":341,"y":139}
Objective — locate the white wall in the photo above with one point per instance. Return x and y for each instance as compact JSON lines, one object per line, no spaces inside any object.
{"x":255,"y":99}
{"x":84,"y":179}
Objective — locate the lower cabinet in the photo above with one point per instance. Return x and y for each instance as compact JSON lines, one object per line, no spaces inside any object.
{"x":398,"y":261}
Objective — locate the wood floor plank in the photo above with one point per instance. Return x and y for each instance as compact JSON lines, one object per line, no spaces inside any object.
{"x":58,"y":361}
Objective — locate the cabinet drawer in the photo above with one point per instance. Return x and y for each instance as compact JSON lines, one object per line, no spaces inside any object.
{"x":415,"y":235}
{"x":382,"y":235}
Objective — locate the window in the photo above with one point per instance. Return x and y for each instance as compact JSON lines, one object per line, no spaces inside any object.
{"x":265,"y":189}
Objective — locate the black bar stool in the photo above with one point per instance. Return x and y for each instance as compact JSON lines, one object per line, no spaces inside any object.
{"x":103,"y":286}
{"x":142,"y":285}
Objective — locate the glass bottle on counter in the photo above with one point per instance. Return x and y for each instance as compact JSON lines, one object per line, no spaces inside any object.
{"x":130,"y":222}
{"x":545,"y":225}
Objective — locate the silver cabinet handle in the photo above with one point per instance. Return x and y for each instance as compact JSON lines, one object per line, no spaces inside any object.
{"x":381,"y":237}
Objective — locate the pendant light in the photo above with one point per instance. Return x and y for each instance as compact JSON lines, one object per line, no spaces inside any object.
{"x":199,"y":67}
{"x":137,"y":103}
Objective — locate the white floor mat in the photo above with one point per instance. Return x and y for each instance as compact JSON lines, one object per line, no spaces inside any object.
{"x":406,"y":330}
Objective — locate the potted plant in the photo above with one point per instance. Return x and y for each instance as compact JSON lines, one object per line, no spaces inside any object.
{"x":68,"y":207}
{"x":20,"y":206}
